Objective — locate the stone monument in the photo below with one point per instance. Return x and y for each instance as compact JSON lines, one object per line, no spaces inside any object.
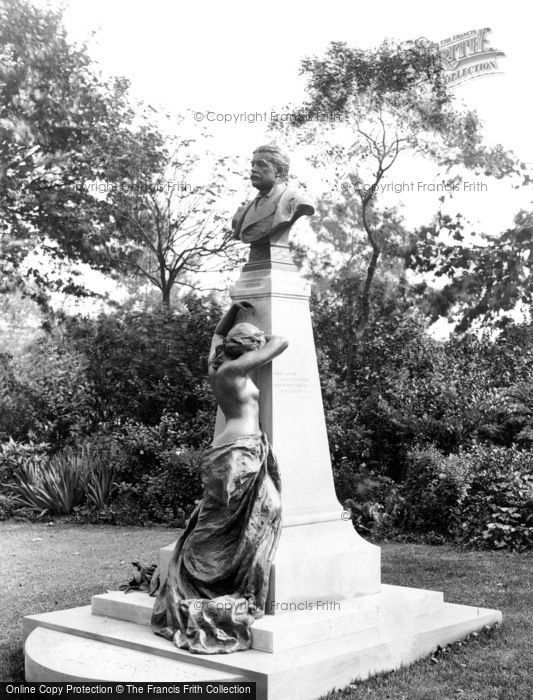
{"x":330,"y":619}
{"x":320,"y":557}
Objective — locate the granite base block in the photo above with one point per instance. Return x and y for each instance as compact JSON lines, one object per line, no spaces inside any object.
{"x":297,"y":656}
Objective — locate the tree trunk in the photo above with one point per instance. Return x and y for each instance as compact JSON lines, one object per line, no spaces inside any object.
{"x":166,"y":296}
{"x":350,"y":345}
{"x":362,"y":322}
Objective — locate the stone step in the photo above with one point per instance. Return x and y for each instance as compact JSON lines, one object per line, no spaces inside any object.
{"x":300,"y":673}
{"x":58,"y":656}
{"x":135,"y":606}
{"x":305,"y":625}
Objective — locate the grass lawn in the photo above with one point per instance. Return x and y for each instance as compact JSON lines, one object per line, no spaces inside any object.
{"x":61,"y":566}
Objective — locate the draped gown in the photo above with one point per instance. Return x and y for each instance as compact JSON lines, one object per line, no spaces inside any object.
{"x":218,"y":575}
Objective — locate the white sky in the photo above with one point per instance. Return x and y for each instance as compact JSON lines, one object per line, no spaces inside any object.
{"x":236,"y":56}
{"x":241,"y":56}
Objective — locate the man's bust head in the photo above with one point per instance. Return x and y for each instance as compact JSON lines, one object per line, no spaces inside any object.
{"x":276,"y":207}
{"x":270,"y":166}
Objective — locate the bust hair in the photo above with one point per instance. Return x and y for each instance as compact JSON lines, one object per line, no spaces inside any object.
{"x":278,"y":159}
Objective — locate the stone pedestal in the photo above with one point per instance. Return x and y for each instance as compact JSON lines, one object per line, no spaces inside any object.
{"x":297,"y":656}
{"x":329,"y":620}
{"x":320,"y":556}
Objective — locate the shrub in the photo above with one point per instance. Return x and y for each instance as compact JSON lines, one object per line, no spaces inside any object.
{"x":434,"y":491}
{"x":349,"y":439}
{"x":100,"y":487}
{"x":55,"y":488}
{"x":512,"y":416}
{"x":60,"y":484}
{"x":14,"y":455}
{"x":133,"y":365}
{"x":396,"y":387}
{"x":157,"y":474}
{"x":166,"y":494}
{"x":482,"y":497}
{"x":375,"y":503}
{"x":46,"y":396}
{"x":498,"y":508}
{"x":145,"y":362}
{"x":14,"y":422}
{"x":104,"y":458}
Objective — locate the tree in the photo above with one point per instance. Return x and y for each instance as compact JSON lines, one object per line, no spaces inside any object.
{"x":489,"y":280}
{"x":372,"y":108}
{"x":169,"y":229}
{"x":61,"y":126}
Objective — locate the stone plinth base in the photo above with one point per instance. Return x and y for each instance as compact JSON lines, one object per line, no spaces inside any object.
{"x":299,"y":655}
{"x":325,"y":561}
{"x":305,"y":622}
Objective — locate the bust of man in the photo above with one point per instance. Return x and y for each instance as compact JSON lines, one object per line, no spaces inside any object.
{"x":276,"y":207}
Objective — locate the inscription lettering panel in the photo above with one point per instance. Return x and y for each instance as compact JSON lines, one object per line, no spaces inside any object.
{"x":294,"y":383}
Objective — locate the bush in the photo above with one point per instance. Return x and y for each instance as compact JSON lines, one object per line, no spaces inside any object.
{"x":55,"y":488}
{"x":145,"y":363}
{"x":434,"y":491}
{"x":14,"y":457}
{"x":135,"y":364}
{"x":157,"y":474}
{"x":46,"y":396}
{"x":60,"y":484}
{"x":104,"y":458}
{"x":512,"y":417}
{"x":482,"y":497}
{"x":397,"y":387}
{"x":498,"y":508}
{"x":167,"y":494}
{"x":349,"y":440}
{"x":375,"y":503}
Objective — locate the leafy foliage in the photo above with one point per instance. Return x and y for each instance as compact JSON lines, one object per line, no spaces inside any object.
{"x":407,"y":388}
{"x":14,"y":455}
{"x":498,"y":511}
{"x":429,"y":439}
{"x":159,"y":476}
{"x":14,"y":458}
{"x":144,"y":362}
{"x":165,"y":495}
{"x":55,"y":488}
{"x":485,"y":279}
{"x":167,"y":230}
{"x":61,"y":126}
{"x":375,"y":502}
{"x":480,"y":497}
{"x":46,"y":395}
{"x":433,"y":491}
{"x":391,"y":69}
{"x":104,"y":458}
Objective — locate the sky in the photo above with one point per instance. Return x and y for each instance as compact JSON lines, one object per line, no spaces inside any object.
{"x":235,"y":56}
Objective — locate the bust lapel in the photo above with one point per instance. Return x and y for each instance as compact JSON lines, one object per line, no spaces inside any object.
{"x":254,"y":214}
{"x":239,"y":217}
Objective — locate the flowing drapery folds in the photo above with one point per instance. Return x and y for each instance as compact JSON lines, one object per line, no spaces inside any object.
{"x":218,"y":575}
